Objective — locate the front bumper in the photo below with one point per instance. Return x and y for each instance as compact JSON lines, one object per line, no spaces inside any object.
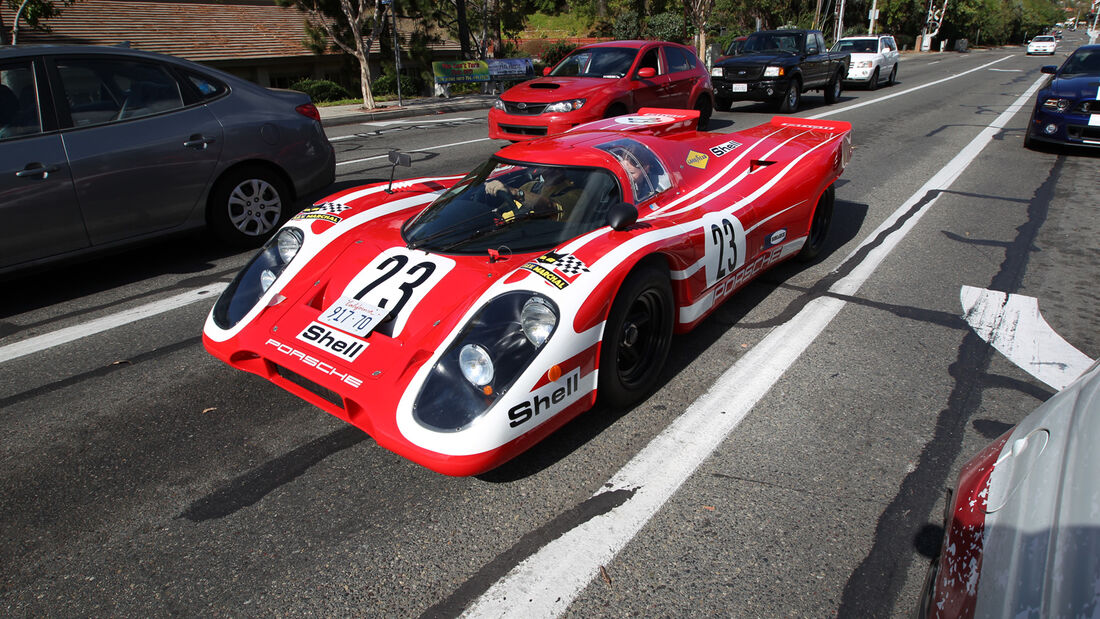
{"x":1073,"y":129}
{"x":860,"y":76}
{"x":505,"y":126}
{"x":761,"y":90}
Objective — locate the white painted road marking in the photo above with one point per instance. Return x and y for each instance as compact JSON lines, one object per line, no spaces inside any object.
{"x":547,"y":582}
{"x":64,"y":336}
{"x":387,"y":123}
{"x":1012,"y":324}
{"x":412,"y":151}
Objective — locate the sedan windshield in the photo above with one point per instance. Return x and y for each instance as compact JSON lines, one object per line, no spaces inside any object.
{"x":857,"y":46}
{"x":610,"y":62}
{"x":515,"y":208}
{"x":1082,"y":62}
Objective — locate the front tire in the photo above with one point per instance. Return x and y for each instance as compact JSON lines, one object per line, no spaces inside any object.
{"x":703,"y":105}
{"x":637,"y":337}
{"x":722,"y":105}
{"x":819,"y":226}
{"x":873,"y":84}
{"x":789,"y":103}
{"x":247,"y":205}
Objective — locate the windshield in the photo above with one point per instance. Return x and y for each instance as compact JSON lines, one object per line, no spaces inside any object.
{"x":1082,"y":62}
{"x":515,"y":207}
{"x":1043,"y":40}
{"x":610,"y":62}
{"x":772,"y":41}
{"x":857,"y":46}
{"x":647,"y":174}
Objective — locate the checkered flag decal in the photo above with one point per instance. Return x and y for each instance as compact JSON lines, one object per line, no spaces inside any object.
{"x":332,"y":208}
{"x":567,"y":264}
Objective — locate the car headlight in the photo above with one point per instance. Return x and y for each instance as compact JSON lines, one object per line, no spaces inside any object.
{"x":499,"y":104}
{"x":1055,"y":103}
{"x":493,"y":349}
{"x":716,"y":72}
{"x":864,"y":64}
{"x":564,"y":106}
{"x":256,"y":277}
{"x":773,"y":72}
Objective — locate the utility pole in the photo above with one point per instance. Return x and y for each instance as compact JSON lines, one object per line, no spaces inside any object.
{"x":396,"y":49}
{"x":874,"y":16}
{"x":840,"y":22}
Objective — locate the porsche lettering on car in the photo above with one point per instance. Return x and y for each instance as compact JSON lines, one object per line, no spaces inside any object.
{"x":458,"y":319}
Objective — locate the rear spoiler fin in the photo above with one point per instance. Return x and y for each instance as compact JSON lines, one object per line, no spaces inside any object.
{"x":832,"y":126}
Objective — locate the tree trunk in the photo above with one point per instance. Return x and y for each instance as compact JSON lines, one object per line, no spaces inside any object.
{"x":365,"y":80}
{"x":463,"y":28}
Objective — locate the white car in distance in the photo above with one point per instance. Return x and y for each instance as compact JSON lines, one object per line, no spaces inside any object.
{"x":874,"y":59}
{"x":1044,"y":44}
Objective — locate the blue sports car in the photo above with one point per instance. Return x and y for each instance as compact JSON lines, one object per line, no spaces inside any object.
{"x":1067,"y":110}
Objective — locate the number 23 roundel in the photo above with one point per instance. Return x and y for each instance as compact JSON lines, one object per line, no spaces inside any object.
{"x":725,"y":245}
{"x":397,"y":280}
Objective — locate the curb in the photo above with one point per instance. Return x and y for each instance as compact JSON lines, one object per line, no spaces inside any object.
{"x":426,"y":109}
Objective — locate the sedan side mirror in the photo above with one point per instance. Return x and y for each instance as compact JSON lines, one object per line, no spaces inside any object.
{"x":622,"y":215}
{"x":546,"y":70}
{"x":1049,"y":69}
{"x":646,"y":72}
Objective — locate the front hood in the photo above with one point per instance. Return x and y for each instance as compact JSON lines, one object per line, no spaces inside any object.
{"x":855,"y":56}
{"x":1079,"y":88}
{"x":754,"y":60}
{"x":552,"y":89}
{"x":1042,"y":546}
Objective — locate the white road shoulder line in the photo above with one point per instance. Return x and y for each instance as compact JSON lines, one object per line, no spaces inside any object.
{"x":69,"y":334}
{"x":547,"y":582}
{"x":1012,"y":324}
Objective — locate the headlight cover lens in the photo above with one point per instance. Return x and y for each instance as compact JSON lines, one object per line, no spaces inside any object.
{"x":256,"y":277}
{"x":863,"y":64}
{"x":499,"y":104}
{"x":716,"y":72}
{"x":564,"y":106}
{"x":1054,"y":103}
{"x":773,"y":72}
{"x":484,"y":361}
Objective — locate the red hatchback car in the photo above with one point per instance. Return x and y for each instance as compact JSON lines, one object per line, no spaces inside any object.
{"x":600,"y":81}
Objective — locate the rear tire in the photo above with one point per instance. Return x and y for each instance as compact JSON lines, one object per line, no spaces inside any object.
{"x":833,"y":89}
{"x":722,"y":105}
{"x":637,"y":337}
{"x":893,"y":76}
{"x":819,"y":226}
{"x":616,"y":109}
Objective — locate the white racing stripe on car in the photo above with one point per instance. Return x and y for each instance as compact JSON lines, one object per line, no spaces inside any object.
{"x":1012,"y":324}
{"x":547,"y":582}
{"x":84,"y":329}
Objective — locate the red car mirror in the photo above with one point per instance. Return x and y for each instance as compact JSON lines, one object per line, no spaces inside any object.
{"x":646,"y":72}
{"x":546,"y":70}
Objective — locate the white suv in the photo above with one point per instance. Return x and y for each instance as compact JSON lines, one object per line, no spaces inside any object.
{"x":874,"y":59}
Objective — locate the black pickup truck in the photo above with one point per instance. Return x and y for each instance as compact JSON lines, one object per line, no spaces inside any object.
{"x":777,"y":66}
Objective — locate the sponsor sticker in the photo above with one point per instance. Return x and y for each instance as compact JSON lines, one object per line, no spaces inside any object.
{"x":313,"y":362}
{"x":333,"y":341}
{"x":558,"y":269}
{"x":328,"y":211}
{"x":698,"y":160}
{"x":648,"y":119}
{"x":724,"y":148}
{"x":775,"y":238}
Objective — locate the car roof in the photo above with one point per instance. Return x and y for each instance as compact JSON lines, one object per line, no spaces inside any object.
{"x":633,"y":44}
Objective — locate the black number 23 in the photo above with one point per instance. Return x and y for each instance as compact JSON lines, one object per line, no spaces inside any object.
{"x":415,"y":275}
{"x":725,"y":236}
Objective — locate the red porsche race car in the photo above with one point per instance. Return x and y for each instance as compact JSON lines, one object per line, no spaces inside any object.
{"x":458,"y":320}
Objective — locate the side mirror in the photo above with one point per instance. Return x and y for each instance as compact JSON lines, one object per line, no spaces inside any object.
{"x":1051,"y":69}
{"x":646,"y":72}
{"x":546,"y":70}
{"x":397,"y":158}
{"x":622,"y":215}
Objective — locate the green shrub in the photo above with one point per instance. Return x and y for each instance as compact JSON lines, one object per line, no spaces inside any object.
{"x":666,"y":27}
{"x":321,"y":90}
{"x":626,"y":26}
{"x":387,"y":85}
{"x":556,"y":51}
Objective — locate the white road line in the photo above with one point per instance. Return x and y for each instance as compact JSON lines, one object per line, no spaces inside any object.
{"x":1012,"y":324}
{"x":547,"y":582}
{"x":69,"y":334}
{"x":412,"y":151}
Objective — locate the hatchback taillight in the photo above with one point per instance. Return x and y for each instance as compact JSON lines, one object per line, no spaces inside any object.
{"x":310,"y":110}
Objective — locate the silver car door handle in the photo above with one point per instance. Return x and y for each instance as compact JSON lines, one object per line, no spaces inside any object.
{"x":198,"y":141}
{"x":36,"y":169}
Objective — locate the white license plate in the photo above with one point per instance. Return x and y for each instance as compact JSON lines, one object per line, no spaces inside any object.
{"x":353,"y":316}
{"x":739,"y":87}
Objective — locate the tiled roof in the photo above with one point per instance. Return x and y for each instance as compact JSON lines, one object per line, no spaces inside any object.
{"x":198,"y":31}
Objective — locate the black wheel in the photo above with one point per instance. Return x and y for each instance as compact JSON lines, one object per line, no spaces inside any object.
{"x":832,"y":90}
{"x":247,"y":205}
{"x":722,"y":105}
{"x":616,"y":109}
{"x":893,"y":76}
{"x":819,"y":226}
{"x":636,"y":338}
{"x":703,"y":105}
{"x":873,"y":84}
{"x":1028,"y":142}
{"x":789,"y":103}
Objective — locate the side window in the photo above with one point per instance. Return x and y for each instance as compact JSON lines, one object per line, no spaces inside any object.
{"x":650,"y":60}
{"x":888,"y":42}
{"x":19,"y":113}
{"x":647,"y":174}
{"x":106,"y":90}
{"x":812,"y":46}
{"x":677,"y":60}
{"x":208,"y":87}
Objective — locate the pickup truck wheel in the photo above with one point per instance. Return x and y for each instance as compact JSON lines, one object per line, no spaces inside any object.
{"x":873,"y":84}
{"x":722,"y":105}
{"x":703,"y":105}
{"x":616,"y":109}
{"x":893,"y":76}
{"x":789,"y":103}
{"x":832,"y":90}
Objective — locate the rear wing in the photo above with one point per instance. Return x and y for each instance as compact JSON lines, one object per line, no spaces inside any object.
{"x":651,"y":120}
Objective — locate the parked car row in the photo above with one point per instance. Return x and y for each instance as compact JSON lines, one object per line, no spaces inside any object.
{"x":103,"y":147}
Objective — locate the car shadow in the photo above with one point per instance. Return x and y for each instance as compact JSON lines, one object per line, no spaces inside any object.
{"x":848,"y":220}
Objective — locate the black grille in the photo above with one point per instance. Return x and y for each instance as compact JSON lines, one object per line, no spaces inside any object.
{"x":524,"y":109}
{"x":1089,"y":107}
{"x":736,"y":73}
{"x":328,"y":395}
{"x":521,"y":130}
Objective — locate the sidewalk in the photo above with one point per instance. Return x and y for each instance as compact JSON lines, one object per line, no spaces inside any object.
{"x":334,"y":115}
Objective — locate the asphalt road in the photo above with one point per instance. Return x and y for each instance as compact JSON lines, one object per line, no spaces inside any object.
{"x":140,"y":477}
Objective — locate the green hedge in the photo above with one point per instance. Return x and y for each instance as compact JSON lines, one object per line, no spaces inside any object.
{"x":387,"y":85}
{"x":321,"y":90}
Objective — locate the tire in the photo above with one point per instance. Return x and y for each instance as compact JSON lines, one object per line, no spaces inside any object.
{"x":722,"y":105}
{"x":1028,"y":142}
{"x":832,"y":90}
{"x":703,"y":105}
{"x":893,"y":79}
{"x":873,"y":84}
{"x":789,"y":103}
{"x":247,"y":205}
{"x":637,"y":337}
{"x":819,"y":226}
{"x":615,"y":109}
